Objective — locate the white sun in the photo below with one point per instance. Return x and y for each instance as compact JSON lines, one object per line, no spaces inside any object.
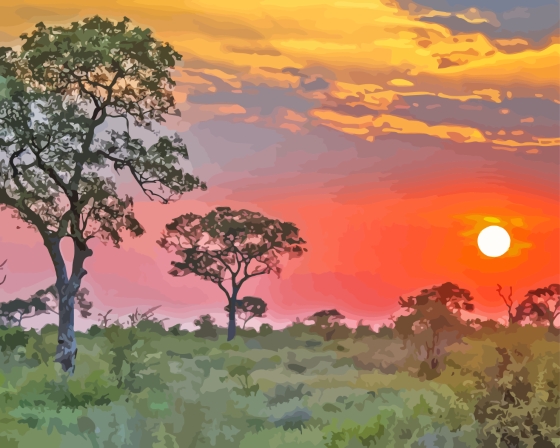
{"x":494,"y":241}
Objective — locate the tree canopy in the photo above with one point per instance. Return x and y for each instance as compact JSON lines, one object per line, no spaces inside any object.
{"x":14,"y":311}
{"x":68,"y":97}
{"x":541,"y":306}
{"x":430,"y":315}
{"x":229,"y":247}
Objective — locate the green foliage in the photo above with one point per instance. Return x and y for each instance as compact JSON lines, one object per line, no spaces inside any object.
{"x":207,"y":327}
{"x":14,"y":311}
{"x":10,"y":338}
{"x":67,"y":97}
{"x":229,"y":247}
{"x":137,"y":387}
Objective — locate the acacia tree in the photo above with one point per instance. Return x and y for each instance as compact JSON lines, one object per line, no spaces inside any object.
{"x":14,"y":311}
{"x":326,"y":323}
{"x":540,"y":307}
{"x":68,"y":95}
{"x":456,"y":299}
{"x":248,"y":308}
{"x":431,"y":314}
{"x":229,"y":247}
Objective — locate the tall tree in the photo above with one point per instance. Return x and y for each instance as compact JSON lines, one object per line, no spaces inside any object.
{"x":541,"y":306}
{"x":430,"y":315}
{"x":229,"y":247}
{"x":68,"y":95}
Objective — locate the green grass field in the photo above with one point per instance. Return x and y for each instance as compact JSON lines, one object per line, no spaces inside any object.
{"x":148,"y":387}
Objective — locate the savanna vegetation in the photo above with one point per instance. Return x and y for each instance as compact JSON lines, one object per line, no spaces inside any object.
{"x":435,"y":377}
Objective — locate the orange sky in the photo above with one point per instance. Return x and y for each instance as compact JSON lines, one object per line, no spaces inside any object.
{"x":390,"y":131}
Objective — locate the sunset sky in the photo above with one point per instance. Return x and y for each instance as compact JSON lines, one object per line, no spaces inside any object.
{"x":390,"y":131}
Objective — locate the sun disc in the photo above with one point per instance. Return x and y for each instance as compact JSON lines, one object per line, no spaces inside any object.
{"x":494,"y":241}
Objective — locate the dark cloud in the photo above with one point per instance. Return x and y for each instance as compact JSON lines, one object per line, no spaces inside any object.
{"x":486,"y":115}
{"x":532,"y":20}
{"x":497,"y":6}
{"x":264,"y":97}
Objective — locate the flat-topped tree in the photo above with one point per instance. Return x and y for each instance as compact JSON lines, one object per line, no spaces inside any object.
{"x":67,"y":98}
{"x":14,"y":311}
{"x":229,"y":247}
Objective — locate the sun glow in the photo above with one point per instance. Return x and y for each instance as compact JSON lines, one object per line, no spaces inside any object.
{"x":494,"y":241}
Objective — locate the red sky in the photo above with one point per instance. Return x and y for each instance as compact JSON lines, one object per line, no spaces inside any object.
{"x":389,"y":137}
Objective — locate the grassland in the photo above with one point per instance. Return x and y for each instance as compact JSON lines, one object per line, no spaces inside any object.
{"x":150,"y":387}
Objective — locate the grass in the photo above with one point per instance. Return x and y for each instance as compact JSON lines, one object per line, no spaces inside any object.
{"x":148,"y":387}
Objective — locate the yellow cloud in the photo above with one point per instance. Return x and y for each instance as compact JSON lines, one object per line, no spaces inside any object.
{"x":400,"y":83}
{"x":360,"y":45}
{"x":368,"y":124}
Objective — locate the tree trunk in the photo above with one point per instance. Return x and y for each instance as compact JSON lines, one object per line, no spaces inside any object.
{"x":67,"y":288}
{"x":233,"y":303}
{"x":66,"y":349}
{"x":231,"y":325}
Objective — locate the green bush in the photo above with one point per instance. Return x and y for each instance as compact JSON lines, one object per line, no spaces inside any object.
{"x":144,"y":386}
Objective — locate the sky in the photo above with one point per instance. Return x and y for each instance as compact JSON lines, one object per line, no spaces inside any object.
{"x":390,"y":131}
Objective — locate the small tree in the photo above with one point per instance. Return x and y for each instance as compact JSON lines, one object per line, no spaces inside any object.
{"x":14,"y":311}
{"x":249,"y":308}
{"x":327,"y":322}
{"x":508,"y":302}
{"x":229,"y":247}
{"x":540,"y":307}
{"x":67,"y":98}
{"x":206,"y":327}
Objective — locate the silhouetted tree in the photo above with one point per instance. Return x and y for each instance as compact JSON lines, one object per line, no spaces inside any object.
{"x":229,"y":247}
{"x":431,"y":314}
{"x":508,"y":302}
{"x":540,"y":307}
{"x":63,"y":94}
{"x":207,"y":327}
{"x":14,"y":311}
{"x":449,"y":294}
{"x":326,"y":323}
{"x":249,"y":308}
